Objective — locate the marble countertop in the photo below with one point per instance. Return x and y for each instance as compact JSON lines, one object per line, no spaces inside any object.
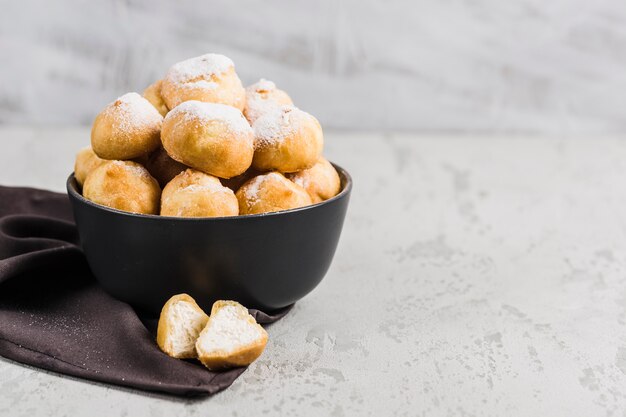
{"x":474,"y":276}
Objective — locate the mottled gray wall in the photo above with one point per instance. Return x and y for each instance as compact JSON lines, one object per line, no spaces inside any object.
{"x":554,"y":66}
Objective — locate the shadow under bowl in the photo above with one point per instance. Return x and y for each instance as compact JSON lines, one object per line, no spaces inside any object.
{"x":264,"y":261}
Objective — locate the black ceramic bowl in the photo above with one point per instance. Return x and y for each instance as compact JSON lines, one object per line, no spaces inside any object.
{"x":264,"y":261}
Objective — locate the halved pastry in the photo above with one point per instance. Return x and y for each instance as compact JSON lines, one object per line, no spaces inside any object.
{"x":180,"y":323}
{"x":231,"y":337}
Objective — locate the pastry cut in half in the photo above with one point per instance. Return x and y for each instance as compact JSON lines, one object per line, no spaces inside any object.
{"x":231,"y":338}
{"x":180,"y":323}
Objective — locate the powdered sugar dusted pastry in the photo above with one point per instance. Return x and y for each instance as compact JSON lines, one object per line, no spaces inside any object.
{"x":213,"y":138}
{"x":261,"y":97}
{"x":162,"y":167}
{"x":86,"y":161}
{"x":230,"y":338}
{"x":123,"y":185}
{"x":127,"y":128}
{"x":270,"y":192}
{"x":153,"y":95}
{"x":180,"y":323}
{"x":210,"y":78}
{"x":287,"y":140}
{"x":321,"y":181}
{"x":196,"y":194}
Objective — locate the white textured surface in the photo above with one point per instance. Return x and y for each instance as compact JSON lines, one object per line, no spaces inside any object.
{"x":227,"y":331}
{"x":471,"y":65}
{"x":475,"y":276}
{"x":185,"y":324}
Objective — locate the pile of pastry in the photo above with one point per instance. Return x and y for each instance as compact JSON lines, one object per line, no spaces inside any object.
{"x":199,"y":144}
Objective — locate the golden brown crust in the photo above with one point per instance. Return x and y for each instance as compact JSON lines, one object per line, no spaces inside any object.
{"x":270,"y":166}
{"x":86,"y":161}
{"x":123,"y":185}
{"x":196,"y":194}
{"x":164,"y":328}
{"x":321,"y":181}
{"x":287,"y":140}
{"x":243,"y":356}
{"x":126,"y":129}
{"x":200,"y":79}
{"x":212,"y":138}
{"x":153,"y":94}
{"x":162,"y":167}
{"x":270,"y":192}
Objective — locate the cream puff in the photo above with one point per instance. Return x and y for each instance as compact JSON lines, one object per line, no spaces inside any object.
{"x":127,"y":128}
{"x":209,"y":78}
{"x":321,"y":181}
{"x":210,"y":137}
{"x":287,"y":140}
{"x":270,"y":192}
{"x":262,"y":97}
{"x":196,"y":194}
{"x":86,"y":161}
{"x":123,"y":185}
{"x":179,"y":326}
{"x":153,"y":95}
{"x":231,"y":338}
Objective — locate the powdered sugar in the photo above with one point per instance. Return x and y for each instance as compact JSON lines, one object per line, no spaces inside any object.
{"x":132,"y":112}
{"x":256,"y":107}
{"x":277,"y":124}
{"x":301,"y":180}
{"x":202,"y":112}
{"x":199,"y":68}
{"x":197,"y":181}
{"x":133,"y":167}
{"x":205,"y":186}
{"x":263,"y":97}
{"x":251,"y":190}
{"x":207,"y":85}
{"x":262,"y":86}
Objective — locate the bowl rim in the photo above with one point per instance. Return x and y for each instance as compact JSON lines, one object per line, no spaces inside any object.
{"x":347,"y":187}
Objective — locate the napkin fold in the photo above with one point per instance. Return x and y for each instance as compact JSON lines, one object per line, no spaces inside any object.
{"x":55,"y":316}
